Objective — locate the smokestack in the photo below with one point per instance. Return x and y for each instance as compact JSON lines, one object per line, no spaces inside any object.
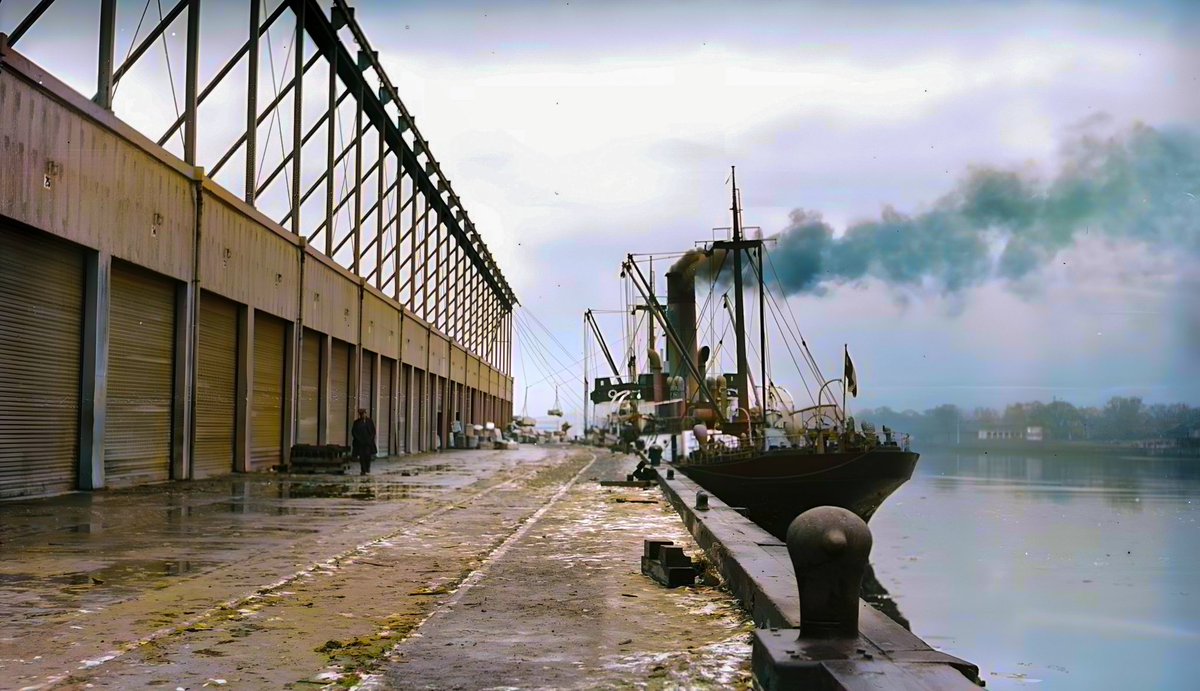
{"x":681,"y":315}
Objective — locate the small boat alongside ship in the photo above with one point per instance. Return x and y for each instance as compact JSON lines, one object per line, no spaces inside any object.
{"x":739,"y":434}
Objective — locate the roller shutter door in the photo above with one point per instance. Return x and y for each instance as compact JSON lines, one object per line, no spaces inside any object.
{"x":366,"y":385}
{"x":141,"y":359}
{"x":339,"y":387}
{"x":383,"y":423}
{"x":432,"y":403}
{"x":41,"y":331}
{"x":402,"y":401}
{"x":420,"y":406}
{"x":216,"y":387}
{"x":266,"y":403}
{"x":310,"y":387}
{"x":439,"y":412}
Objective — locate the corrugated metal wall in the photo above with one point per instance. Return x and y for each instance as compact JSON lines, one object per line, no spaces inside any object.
{"x":310,"y":388}
{"x":216,"y":386}
{"x":339,"y":392}
{"x":141,"y":374}
{"x":41,"y":332}
{"x":266,"y":409}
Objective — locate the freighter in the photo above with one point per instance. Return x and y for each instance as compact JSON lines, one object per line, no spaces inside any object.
{"x":738,"y":434}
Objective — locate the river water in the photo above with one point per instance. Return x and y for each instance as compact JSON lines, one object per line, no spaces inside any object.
{"x":1050,"y":572}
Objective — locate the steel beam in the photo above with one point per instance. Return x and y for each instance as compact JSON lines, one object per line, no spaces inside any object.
{"x":250,"y":46}
{"x":28,"y":21}
{"x":149,"y":40}
{"x":324,"y":35}
{"x":356,"y":264}
{"x":263,"y":116}
{"x":379,"y":226}
{"x":252,"y":101}
{"x":400,"y":211}
{"x":108,"y":42}
{"x":191,"y":81}
{"x":331,"y":143}
{"x":297,"y":118}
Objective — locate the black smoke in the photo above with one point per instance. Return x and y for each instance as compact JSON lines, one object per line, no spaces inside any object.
{"x":1141,"y":185}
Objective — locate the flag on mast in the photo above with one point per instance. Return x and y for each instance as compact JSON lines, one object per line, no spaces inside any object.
{"x":849,"y":377}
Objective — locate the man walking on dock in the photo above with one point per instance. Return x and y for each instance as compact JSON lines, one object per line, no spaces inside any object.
{"x":363,"y":434}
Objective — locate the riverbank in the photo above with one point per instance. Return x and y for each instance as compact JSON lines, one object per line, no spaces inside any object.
{"x":1066,"y":449}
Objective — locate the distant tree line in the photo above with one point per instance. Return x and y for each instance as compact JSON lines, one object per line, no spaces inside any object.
{"x":1121,"y":419}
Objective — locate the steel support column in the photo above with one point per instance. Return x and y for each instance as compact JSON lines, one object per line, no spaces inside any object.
{"x":356,"y":264}
{"x":252,"y":101}
{"x":191,"y":88}
{"x":323,"y":390}
{"x":297,"y":118}
{"x":108,"y":42}
{"x":331,"y":144}
{"x":379,"y":225}
{"x":245,"y":389}
{"x":185,"y":367}
{"x":97,"y":294}
{"x":291,"y":380}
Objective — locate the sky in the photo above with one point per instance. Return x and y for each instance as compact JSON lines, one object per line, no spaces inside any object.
{"x":578,"y":132}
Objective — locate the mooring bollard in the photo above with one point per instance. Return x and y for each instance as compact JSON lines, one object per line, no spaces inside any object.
{"x":670,"y":474}
{"x":829,"y":547}
{"x":701,"y":501}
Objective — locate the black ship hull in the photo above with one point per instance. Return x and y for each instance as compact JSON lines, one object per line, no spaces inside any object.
{"x":773,"y":488}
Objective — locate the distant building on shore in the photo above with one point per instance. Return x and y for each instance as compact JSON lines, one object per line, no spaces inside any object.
{"x":1032,"y":433}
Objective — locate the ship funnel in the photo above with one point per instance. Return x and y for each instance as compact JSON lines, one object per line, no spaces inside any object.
{"x":681,"y":315}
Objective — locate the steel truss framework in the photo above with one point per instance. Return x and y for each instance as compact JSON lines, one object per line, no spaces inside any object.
{"x":407,"y":232}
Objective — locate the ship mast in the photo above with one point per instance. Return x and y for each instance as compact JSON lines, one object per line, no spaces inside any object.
{"x":739,"y":309}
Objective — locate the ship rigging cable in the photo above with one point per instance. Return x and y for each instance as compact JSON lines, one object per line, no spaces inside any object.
{"x":794,"y":332}
{"x":539,"y":351}
{"x":538,"y":354}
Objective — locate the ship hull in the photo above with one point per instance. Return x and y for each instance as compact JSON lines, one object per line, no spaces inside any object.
{"x":773,"y":488}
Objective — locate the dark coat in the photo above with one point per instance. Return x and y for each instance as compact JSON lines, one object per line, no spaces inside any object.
{"x":363,"y":435}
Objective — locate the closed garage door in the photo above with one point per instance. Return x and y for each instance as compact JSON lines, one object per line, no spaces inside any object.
{"x":216,"y":386}
{"x":366,"y":385}
{"x":141,"y":358}
{"x":420,"y":410}
{"x":339,"y":387}
{"x":384,"y":416}
{"x":310,"y":387}
{"x":266,"y":405}
{"x":41,"y":317}
{"x":402,"y":401}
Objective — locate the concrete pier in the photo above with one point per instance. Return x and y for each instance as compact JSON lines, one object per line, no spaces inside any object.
{"x":759,"y":571}
{"x":464,"y":569}
{"x":452,"y":570}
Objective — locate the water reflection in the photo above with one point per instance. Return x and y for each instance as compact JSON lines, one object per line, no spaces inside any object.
{"x":1062,"y":470}
{"x":1071,"y":571}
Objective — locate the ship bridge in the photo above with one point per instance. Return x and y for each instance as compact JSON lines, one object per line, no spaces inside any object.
{"x":218,"y":240}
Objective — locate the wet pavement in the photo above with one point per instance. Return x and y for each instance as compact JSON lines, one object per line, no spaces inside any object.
{"x":564,"y":605}
{"x":278,"y":581}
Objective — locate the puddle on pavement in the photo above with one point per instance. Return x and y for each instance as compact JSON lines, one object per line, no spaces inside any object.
{"x":364,"y":492}
{"x":120,"y":573}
